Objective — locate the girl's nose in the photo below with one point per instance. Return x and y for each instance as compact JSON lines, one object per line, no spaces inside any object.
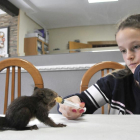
{"x":130,"y":55}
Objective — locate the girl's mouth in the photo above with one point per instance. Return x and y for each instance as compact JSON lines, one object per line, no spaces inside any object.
{"x":132,"y":64}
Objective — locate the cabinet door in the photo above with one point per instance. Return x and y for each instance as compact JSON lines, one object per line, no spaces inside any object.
{"x":39,"y":47}
{"x":46,"y":48}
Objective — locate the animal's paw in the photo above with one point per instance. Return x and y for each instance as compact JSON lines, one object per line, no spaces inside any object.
{"x":34,"y":127}
{"x":61,"y":125}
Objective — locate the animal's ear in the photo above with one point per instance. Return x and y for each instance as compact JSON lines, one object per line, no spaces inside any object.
{"x":35,"y":88}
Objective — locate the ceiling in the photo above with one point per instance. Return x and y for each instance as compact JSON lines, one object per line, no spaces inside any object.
{"x":69,"y":13}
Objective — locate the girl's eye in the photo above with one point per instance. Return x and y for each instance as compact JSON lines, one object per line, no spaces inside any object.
{"x":136,"y":47}
{"x":123,"y":51}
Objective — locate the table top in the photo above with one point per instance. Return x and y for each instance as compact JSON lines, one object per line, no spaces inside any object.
{"x":97,"y":127}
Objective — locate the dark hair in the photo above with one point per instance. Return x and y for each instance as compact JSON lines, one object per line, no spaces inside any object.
{"x":132,"y":21}
{"x":121,"y":73}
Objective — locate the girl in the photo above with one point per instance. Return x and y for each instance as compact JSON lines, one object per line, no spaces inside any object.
{"x":120,"y":89}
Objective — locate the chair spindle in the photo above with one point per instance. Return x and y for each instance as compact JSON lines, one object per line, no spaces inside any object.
{"x":13,"y":84}
{"x":6,"y":89}
{"x":102,"y":74}
{"x":19,"y":81}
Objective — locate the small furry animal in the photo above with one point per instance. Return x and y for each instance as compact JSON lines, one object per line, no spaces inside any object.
{"x":24,"y":108}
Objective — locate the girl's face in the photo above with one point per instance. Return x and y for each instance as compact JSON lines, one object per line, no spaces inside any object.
{"x":128,"y":40}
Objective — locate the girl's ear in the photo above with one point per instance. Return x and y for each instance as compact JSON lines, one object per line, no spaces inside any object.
{"x":35,"y":88}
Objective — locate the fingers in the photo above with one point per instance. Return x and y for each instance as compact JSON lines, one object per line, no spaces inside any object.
{"x":133,"y":70}
{"x":73,"y":114}
{"x":69,"y":112}
{"x":82,"y":104}
{"x":74,"y":99}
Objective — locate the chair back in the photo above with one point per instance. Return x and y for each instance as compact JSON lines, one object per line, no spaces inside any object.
{"x":102,"y":67}
{"x":15,"y":65}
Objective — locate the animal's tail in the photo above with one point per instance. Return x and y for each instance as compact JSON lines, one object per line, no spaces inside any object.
{"x":2,"y":122}
{"x":4,"y":125}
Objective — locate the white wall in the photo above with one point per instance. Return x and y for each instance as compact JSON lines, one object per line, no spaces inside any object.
{"x":26,"y":25}
{"x":58,"y":38}
{"x":64,"y":82}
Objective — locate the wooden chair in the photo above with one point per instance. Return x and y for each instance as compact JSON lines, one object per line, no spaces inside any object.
{"x":12,"y":64}
{"x":107,"y":65}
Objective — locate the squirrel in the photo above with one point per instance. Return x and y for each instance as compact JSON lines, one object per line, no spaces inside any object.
{"x":24,"y":108}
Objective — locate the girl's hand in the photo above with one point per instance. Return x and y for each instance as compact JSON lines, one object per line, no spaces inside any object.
{"x":134,"y":69}
{"x":134,"y":72}
{"x":69,"y":112}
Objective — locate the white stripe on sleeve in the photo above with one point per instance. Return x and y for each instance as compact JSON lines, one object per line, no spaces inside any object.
{"x":96,"y":95}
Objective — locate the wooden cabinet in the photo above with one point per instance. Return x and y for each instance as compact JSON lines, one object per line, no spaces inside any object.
{"x":97,"y":44}
{"x":74,"y":46}
{"x":35,"y":46}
